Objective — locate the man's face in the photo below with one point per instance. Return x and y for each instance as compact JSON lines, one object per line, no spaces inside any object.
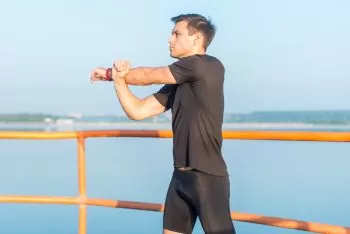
{"x":181,"y":43}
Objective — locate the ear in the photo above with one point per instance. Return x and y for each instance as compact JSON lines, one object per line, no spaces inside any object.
{"x":198,"y":38}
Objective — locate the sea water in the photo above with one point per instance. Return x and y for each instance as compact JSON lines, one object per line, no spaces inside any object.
{"x":298,"y":180}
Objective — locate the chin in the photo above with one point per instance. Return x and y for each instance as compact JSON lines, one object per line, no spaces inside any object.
{"x":174,"y":55}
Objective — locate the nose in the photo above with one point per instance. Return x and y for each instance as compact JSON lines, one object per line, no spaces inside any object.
{"x":170,"y":39}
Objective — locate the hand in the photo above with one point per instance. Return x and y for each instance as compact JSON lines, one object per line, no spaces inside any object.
{"x":98,"y":74}
{"x":120,"y":69}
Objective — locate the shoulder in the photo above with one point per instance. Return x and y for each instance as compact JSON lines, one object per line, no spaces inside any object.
{"x":212,"y":60}
{"x":189,"y":62}
{"x":208,"y":65}
{"x":198,"y":61}
{"x":196,"y":67}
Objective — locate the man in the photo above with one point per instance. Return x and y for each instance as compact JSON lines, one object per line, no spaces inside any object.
{"x":193,"y":90}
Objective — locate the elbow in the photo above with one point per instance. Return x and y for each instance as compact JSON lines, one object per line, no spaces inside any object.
{"x":135,"y":117}
{"x":138,"y":111}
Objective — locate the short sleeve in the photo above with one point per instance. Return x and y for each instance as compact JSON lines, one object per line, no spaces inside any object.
{"x":184,"y":70}
{"x":165,"y":95}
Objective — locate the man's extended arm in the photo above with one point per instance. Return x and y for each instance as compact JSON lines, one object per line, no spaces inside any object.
{"x":134,"y":107}
{"x":140,"y":76}
{"x":138,"y":109}
{"x":184,"y":70}
{"x":150,"y":75}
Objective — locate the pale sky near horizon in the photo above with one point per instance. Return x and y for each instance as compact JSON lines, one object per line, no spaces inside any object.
{"x":279,"y":55}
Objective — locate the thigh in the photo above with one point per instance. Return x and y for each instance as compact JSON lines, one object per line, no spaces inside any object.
{"x":179,"y":214}
{"x":213,"y":204}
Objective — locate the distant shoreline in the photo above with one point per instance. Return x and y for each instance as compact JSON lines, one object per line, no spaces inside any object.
{"x":297,"y":124}
{"x":160,"y":125}
{"x":274,"y":119}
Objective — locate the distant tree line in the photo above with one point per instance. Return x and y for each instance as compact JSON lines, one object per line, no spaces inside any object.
{"x":315,"y":117}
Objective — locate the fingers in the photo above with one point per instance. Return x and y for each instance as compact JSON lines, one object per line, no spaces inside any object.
{"x":127,"y":66}
{"x":121,"y":65}
{"x":98,"y":74}
{"x":120,"y":69}
{"x":93,"y":77}
{"x":96,"y":77}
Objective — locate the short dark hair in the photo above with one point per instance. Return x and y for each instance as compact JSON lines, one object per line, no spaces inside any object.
{"x":198,"y":23}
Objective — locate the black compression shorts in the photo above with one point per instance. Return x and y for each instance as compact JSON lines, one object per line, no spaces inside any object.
{"x":193,"y":194}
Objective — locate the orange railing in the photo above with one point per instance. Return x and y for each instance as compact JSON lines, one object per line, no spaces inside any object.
{"x":83,"y":200}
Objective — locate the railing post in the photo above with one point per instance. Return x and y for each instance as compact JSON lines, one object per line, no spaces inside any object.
{"x":82,"y":184}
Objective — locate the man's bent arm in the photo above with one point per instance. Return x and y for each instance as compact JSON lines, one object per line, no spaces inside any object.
{"x":134,"y":107}
{"x":150,"y":75}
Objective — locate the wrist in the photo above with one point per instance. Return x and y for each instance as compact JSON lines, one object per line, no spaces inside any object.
{"x":119,"y":81}
{"x":109,"y":74}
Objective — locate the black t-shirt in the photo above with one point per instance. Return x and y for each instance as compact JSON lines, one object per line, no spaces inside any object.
{"x":197,"y":105}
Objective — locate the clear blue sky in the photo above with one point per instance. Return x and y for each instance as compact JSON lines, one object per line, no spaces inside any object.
{"x":279,"y":55}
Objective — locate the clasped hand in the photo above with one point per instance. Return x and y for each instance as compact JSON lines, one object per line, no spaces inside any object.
{"x":120,"y":69}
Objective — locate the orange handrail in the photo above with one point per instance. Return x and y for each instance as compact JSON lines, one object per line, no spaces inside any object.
{"x":229,"y":134}
{"x":82,"y":200}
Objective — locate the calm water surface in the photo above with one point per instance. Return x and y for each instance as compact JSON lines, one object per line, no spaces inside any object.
{"x":299,"y":180}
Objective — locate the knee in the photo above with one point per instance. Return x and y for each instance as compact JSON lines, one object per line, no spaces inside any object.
{"x":227,"y":231}
{"x":219,"y":228}
{"x":165,"y":231}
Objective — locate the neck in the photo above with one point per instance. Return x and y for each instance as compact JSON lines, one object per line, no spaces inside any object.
{"x":194,"y":52}
{"x":200,"y":51}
